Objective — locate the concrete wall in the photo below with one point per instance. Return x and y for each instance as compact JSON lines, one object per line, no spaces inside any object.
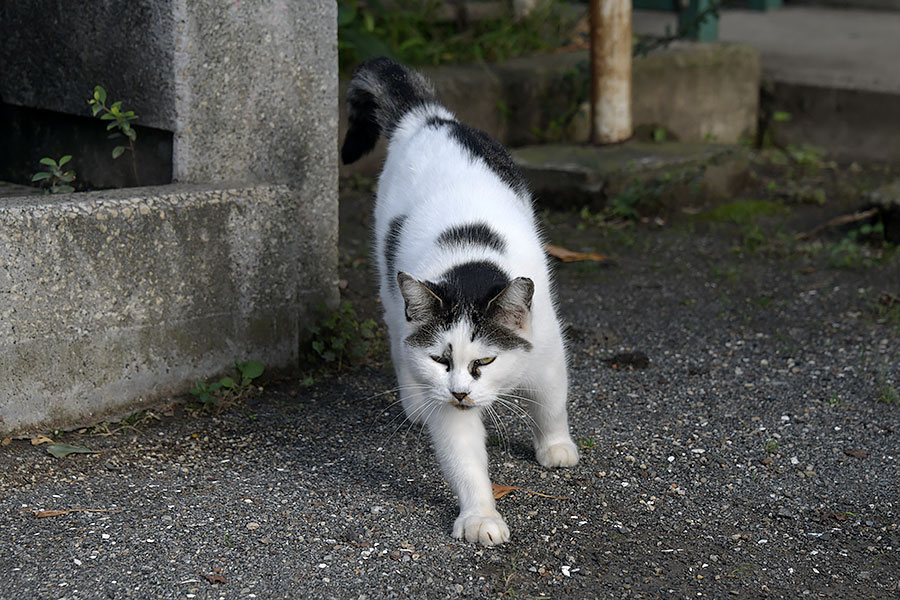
{"x":112,"y":299}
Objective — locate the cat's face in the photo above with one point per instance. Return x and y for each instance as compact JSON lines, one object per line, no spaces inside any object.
{"x":467,"y":353}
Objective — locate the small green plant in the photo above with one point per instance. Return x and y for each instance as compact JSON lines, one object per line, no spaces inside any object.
{"x":414,"y":32}
{"x":54,"y":174}
{"x":586,"y":442}
{"x":228,"y":389}
{"x":834,"y":400}
{"x":341,"y":338}
{"x":119,"y":119}
{"x":887,"y":393}
{"x":851,"y":251}
{"x":771,"y":446}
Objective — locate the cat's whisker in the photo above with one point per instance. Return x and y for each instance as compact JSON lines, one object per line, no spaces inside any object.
{"x":399,"y":389}
{"x":521,"y":413}
{"x":501,"y":430}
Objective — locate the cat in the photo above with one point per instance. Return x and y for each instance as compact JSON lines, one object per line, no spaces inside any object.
{"x":464,"y":284}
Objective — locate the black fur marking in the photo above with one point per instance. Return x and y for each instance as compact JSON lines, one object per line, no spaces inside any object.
{"x":466,"y":291}
{"x":380,"y":94}
{"x":391,"y":242}
{"x":476,"y":234}
{"x":481,"y":145}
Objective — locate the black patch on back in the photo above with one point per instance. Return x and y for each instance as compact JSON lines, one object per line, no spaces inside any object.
{"x":474,"y":234}
{"x":391,"y":242}
{"x":479,"y":144}
{"x":466,"y":290}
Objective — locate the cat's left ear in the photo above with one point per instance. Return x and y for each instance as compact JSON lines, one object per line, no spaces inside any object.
{"x":512,"y":307}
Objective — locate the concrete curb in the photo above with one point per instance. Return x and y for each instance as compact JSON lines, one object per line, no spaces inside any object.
{"x":110,"y":300}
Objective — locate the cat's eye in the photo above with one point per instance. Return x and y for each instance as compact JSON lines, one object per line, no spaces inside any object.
{"x":480,"y":362}
{"x":443,"y":360}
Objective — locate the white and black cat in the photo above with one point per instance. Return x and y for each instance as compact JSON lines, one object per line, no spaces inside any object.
{"x":464,"y":282}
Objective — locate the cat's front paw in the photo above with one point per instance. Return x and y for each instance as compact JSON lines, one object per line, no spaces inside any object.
{"x":563,"y":454}
{"x":488,"y":530}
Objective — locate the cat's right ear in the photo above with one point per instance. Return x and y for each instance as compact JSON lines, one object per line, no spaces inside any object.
{"x":421,"y":303}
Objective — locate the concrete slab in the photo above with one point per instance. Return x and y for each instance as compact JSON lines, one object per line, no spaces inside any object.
{"x":568,"y":176}
{"x":825,"y":47}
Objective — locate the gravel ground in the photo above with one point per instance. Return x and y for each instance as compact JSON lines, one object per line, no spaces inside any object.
{"x":734,"y":409}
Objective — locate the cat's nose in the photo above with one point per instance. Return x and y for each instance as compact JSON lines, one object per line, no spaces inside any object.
{"x":459,"y":395}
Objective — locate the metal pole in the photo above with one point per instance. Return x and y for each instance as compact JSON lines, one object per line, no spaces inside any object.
{"x":610,"y":71}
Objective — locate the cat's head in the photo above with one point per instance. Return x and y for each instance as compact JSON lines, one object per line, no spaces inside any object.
{"x":469,"y":332}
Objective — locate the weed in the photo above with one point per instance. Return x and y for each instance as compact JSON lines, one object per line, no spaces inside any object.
{"x":887,"y":393}
{"x":771,"y":446}
{"x":228,"y":389}
{"x":412,"y":32}
{"x":54,"y":174}
{"x":851,"y":251}
{"x":119,"y":119}
{"x":586,"y":442}
{"x":341,"y":338}
{"x":834,"y":400}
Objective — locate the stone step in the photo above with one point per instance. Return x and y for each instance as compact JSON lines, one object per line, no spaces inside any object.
{"x":649,"y":177}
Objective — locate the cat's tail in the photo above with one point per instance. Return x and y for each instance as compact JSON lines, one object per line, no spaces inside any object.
{"x":381,"y":93}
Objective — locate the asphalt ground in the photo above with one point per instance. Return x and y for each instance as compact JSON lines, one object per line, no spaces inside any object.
{"x":734,"y":395}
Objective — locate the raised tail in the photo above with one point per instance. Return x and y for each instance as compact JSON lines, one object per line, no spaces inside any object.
{"x":380,"y":94}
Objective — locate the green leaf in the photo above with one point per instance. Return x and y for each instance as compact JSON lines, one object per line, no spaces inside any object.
{"x":40,"y":176}
{"x":251,"y":369}
{"x":107,"y":117}
{"x":99,"y":94}
{"x":227,"y":382}
{"x":318,"y":346}
{"x":48,"y":161}
{"x":117,"y":151}
{"x":62,"y":189}
{"x":779,"y":116}
{"x":63,"y":450}
{"x":95,"y":108}
{"x":65,"y":159}
{"x":116,"y":107}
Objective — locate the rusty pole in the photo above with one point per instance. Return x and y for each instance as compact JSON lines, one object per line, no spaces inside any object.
{"x":610,"y":71}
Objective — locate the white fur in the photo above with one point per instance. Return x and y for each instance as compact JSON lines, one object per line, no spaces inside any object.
{"x":430,"y":178}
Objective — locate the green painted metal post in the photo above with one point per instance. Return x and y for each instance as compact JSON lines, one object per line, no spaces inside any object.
{"x":708,"y":30}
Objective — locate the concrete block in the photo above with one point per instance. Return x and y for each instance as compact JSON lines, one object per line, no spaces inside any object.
{"x":697,"y":92}
{"x":53,"y":54}
{"x":109,"y":300}
{"x":255,"y":89}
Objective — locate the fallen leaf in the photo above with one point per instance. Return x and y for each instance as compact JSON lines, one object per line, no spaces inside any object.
{"x":567,"y":255}
{"x":62,"y":450}
{"x":502,"y":490}
{"x":214,"y":578}
{"x":6,"y":441}
{"x":39,"y":439}
{"x":856,"y":452}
